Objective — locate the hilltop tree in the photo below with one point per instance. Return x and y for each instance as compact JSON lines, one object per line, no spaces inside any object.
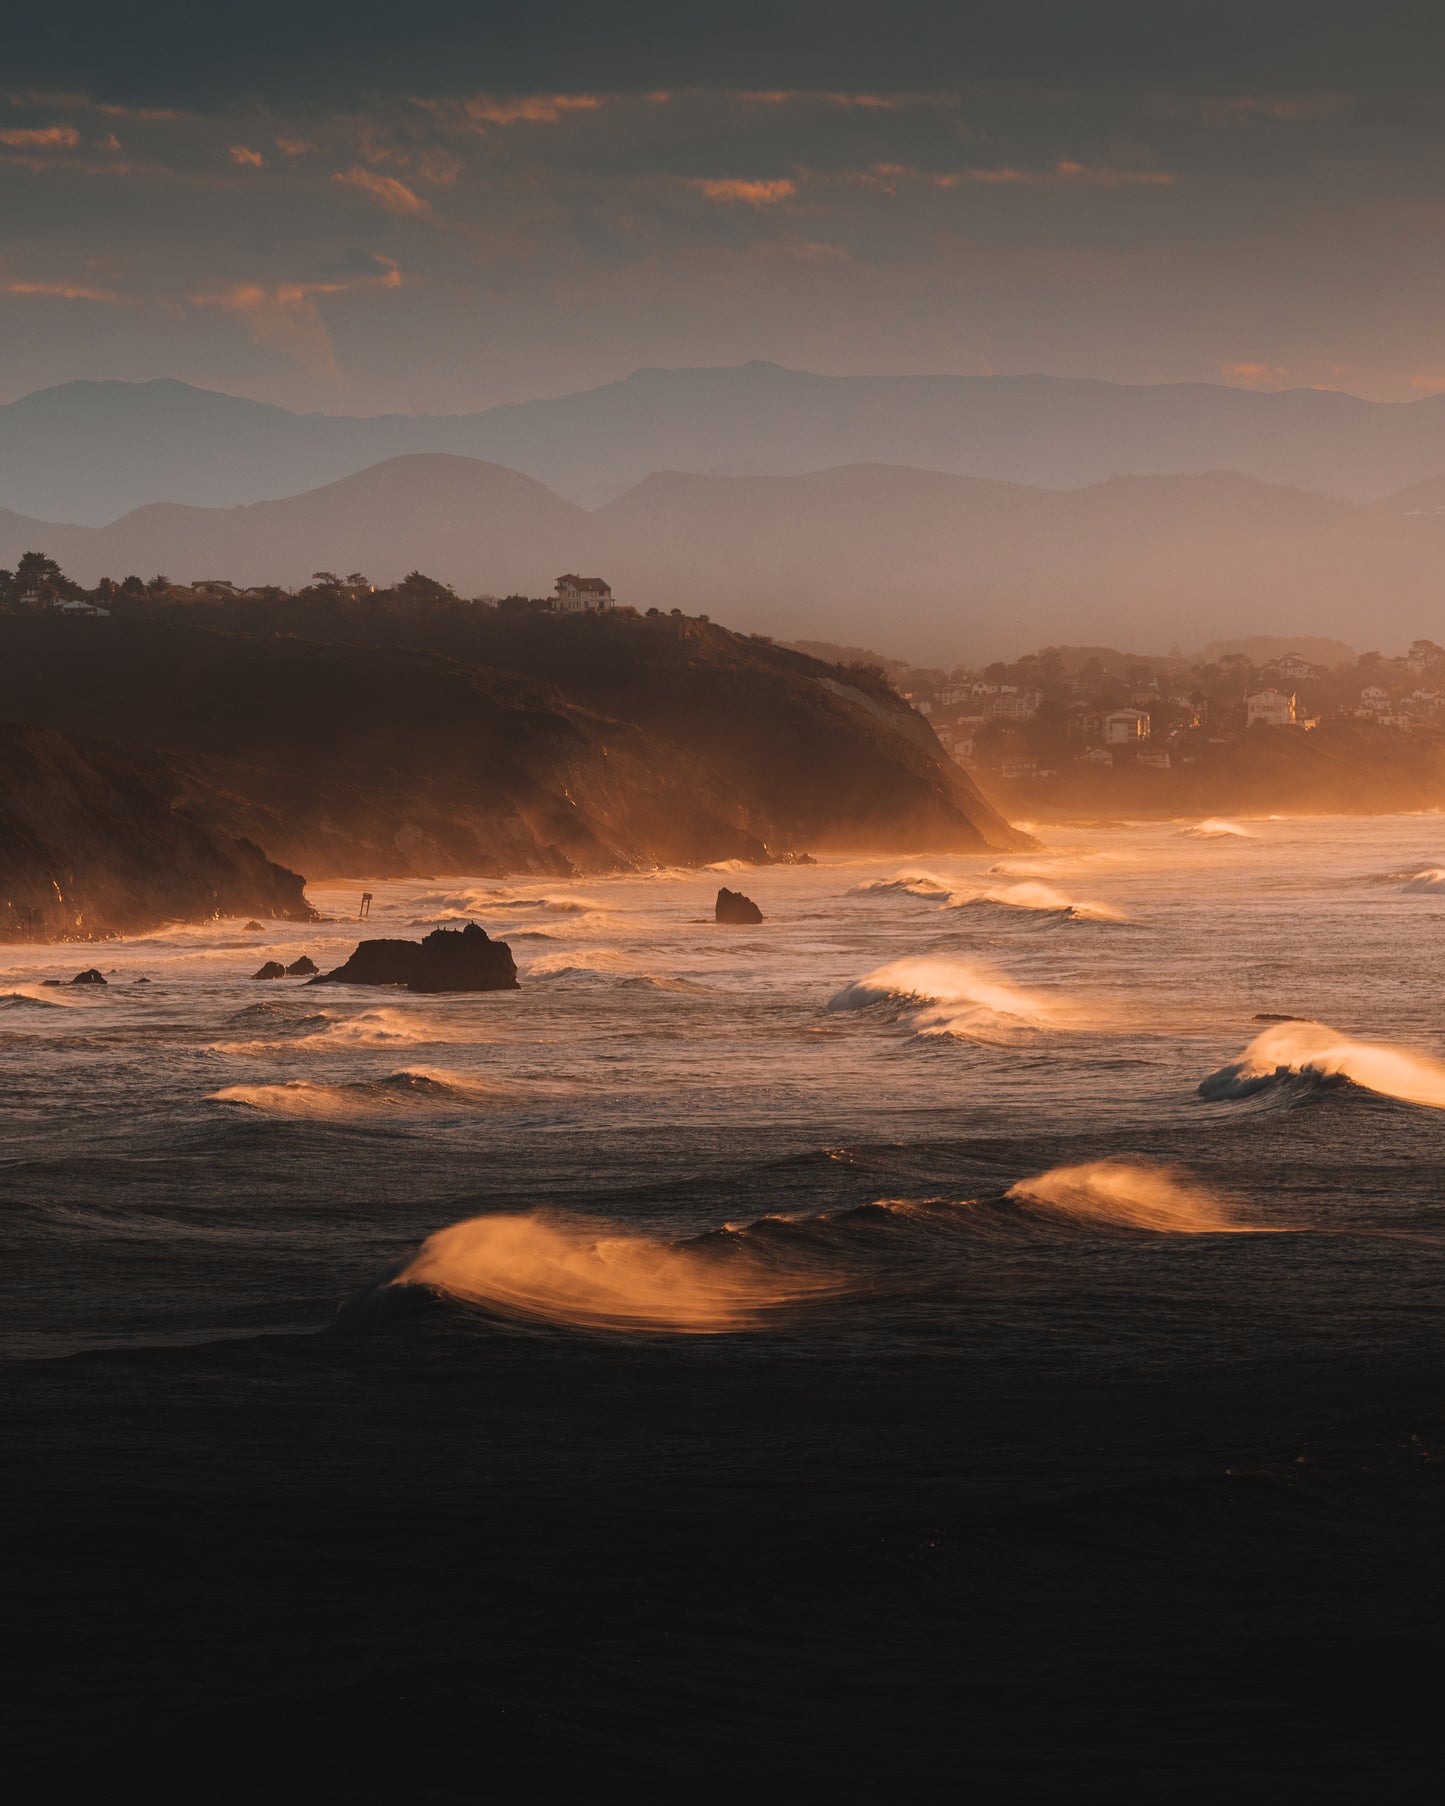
{"x":415,"y":586}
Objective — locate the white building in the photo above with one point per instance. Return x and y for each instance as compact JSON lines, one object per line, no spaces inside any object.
{"x":1125,"y":726}
{"x":581,"y":595}
{"x":79,"y":608}
{"x":1272,"y":707}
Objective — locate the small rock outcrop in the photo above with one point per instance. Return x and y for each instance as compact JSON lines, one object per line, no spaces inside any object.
{"x":90,"y":976}
{"x":733,"y":906}
{"x":251,"y":928}
{"x":305,"y":967}
{"x":449,"y":959}
{"x":272,"y":969}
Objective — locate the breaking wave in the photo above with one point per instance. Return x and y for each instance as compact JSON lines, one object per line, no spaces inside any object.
{"x":908,"y":884}
{"x":418,"y":1088}
{"x":32,"y":1000}
{"x":952,"y":997}
{"x":1309,"y":1050}
{"x":543,"y":1267}
{"x":1123,"y":1195}
{"x":1214,"y":827}
{"x":1032,"y":895}
{"x":1430,"y":881}
{"x":547,"y":1269}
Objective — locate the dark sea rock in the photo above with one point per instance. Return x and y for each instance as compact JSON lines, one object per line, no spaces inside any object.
{"x":252,"y":928}
{"x":305,"y":967}
{"x":272,"y":969}
{"x":448,"y":959}
{"x":733,"y":906}
{"x":90,"y":976}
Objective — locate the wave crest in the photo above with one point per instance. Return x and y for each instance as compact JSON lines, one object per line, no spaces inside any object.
{"x":417,"y":1087}
{"x":546,"y":1269}
{"x":1291,"y":1050}
{"x":1121,"y":1194}
{"x":952,"y":997}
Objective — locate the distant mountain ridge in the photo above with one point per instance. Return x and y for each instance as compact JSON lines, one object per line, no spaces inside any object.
{"x":928,"y":566}
{"x":90,"y":451}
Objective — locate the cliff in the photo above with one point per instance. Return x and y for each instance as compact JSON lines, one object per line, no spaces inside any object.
{"x":90,"y":847}
{"x":477,"y":742}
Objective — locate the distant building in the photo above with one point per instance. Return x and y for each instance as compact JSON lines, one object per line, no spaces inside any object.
{"x":1015,"y":705}
{"x":1097,"y":755}
{"x":1125,"y":727}
{"x":953,"y":694}
{"x":1158,"y":759}
{"x":1018,"y":766}
{"x":1296,"y":668}
{"x":1273,"y":708}
{"x":79,"y":608}
{"x":581,"y":595}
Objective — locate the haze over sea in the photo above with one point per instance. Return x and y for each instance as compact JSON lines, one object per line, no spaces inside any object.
{"x":918,"y":1174}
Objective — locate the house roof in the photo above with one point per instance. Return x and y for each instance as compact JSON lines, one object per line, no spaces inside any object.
{"x":593,"y":585}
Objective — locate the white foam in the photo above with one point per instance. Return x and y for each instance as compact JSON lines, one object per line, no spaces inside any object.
{"x":1311,"y":1049}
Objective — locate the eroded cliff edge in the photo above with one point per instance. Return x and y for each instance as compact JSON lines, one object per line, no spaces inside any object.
{"x":476,"y":744}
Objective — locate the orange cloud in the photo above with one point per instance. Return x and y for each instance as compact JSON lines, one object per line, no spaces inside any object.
{"x":65,"y":291}
{"x":750,"y":194}
{"x":1254,"y":375}
{"x":295,"y":147}
{"x":531,"y":109}
{"x":248,"y":158}
{"x":48,"y":137}
{"x":386,"y":191}
{"x":286,"y":318}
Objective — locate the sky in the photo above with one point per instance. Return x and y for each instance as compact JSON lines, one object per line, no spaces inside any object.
{"x":445,"y":205}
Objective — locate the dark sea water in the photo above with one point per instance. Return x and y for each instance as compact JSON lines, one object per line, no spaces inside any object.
{"x":842,"y":1356}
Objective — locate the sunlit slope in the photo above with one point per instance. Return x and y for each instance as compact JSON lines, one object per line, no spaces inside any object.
{"x":90,"y":845}
{"x":542,"y":745}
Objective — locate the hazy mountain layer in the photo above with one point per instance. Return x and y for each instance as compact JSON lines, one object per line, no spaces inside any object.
{"x":928,"y":566}
{"x":88,"y":451}
{"x":571,"y":745}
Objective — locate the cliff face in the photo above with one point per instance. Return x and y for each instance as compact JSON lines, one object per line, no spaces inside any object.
{"x":532,"y":744}
{"x":90,"y":847}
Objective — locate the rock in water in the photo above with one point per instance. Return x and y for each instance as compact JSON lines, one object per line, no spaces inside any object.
{"x":733,"y":906}
{"x":251,"y":928}
{"x":305,"y":967}
{"x":89,"y":977}
{"x":272,"y":969}
{"x":447,"y":960}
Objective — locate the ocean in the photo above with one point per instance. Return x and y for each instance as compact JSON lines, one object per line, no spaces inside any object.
{"x":979,"y":1329}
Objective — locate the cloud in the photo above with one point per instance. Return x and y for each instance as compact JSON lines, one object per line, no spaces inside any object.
{"x":48,"y":137}
{"x":285,"y":316}
{"x":66,"y":291}
{"x":749,"y":194}
{"x":386,"y":191}
{"x":246,"y":157}
{"x":296,"y":147}
{"x":529,"y":109}
{"x":1254,"y":375}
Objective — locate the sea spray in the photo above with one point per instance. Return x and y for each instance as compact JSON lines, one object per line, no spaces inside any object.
{"x":1298,"y":1049}
{"x":1119,"y":1194}
{"x":549,"y":1269}
{"x":952,"y":997}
